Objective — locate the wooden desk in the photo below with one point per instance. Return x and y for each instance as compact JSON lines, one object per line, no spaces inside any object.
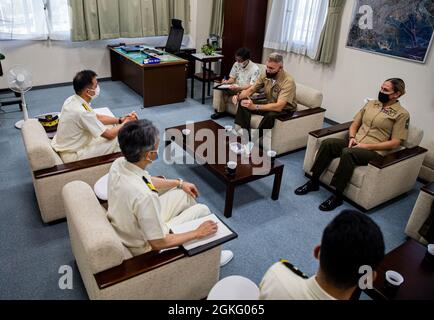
{"x":158,"y":84}
{"x":207,"y":75}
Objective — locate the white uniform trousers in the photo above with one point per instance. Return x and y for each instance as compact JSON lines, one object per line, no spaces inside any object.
{"x":178,"y":207}
{"x":98,"y":147}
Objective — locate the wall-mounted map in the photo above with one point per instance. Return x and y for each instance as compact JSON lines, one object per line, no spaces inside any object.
{"x":398,"y":28}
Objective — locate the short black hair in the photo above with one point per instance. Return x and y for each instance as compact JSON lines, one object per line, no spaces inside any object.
{"x":243,"y":53}
{"x":136,"y":138}
{"x":350,"y":241}
{"x":83,"y":80}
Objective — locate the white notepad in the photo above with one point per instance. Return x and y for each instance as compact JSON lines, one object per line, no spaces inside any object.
{"x":222,"y":231}
{"x":224,"y":86}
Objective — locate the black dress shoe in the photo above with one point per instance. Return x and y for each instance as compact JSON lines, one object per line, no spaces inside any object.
{"x":306,"y":188}
{"x":217,"y":115}
{"x":331,"y":203}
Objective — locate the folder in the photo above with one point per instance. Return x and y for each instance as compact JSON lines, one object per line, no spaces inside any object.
{"x":224,"y":234}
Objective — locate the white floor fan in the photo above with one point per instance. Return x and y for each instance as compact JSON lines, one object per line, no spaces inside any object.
{"x":20,"y":81}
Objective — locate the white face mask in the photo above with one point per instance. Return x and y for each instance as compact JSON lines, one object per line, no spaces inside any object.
{"x":97,"y":92}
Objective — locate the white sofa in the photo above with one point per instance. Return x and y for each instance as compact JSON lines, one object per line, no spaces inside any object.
{"x":50,"y":174}
{"x":290,"y":132}
{"x":421,"y":212}
{"x":382,"y":179}
{"x":108,"y":269}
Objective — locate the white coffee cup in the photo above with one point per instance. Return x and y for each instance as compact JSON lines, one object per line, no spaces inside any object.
{"x":231,"y":167}
{"x":186,"y":132}
{"x":394,"y":278}
{"x":271,"y":154}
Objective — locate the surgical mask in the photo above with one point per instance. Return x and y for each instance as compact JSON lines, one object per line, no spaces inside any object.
{"x":383,"y":97}
{"x":243,"y":64}
{"x":97,"y":92}
{"x":271,"y":75}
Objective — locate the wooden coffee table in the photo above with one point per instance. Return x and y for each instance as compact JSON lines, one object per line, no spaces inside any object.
{"x":408,"y":260}
{"x":244,"y":173}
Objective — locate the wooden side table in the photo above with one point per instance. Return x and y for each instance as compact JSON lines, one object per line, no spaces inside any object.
{"x":207,"y":76}
{"x":409,"y":260}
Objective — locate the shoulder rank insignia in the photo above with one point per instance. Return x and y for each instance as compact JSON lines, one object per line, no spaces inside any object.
{"x":150,"y":185}
{"x":294,"y":269}
{"x":86,"y":107}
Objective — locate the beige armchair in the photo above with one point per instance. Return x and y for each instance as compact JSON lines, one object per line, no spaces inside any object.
{"x":427,"y":171}
{"x":108,"y":269}
{"x":420,"y":214}
{"x":50,"y":174}
{"x":290,"y":132}
{"x":383,"y":179}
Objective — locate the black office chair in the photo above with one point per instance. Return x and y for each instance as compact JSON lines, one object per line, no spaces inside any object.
{"x":8,"y":100}
{"x":174,"y":41}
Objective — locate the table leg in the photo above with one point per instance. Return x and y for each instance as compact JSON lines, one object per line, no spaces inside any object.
{"x":192,"y":87}
{"x":276,"y":185}
{"x":230,"y":190}
{"x":203,"y":90}
{"x":209,"y":79}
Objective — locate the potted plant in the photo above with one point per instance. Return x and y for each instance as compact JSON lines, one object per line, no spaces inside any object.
{"x":208,"y":50}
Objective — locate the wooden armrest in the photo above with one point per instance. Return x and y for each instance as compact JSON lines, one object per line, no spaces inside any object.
{"x":78,"y":165}
{"x":395,"y":157}
{"x":331,"y":130}
{"x":301,"y":114}
{"x":429,"y":188}
{"x":137,"y":266}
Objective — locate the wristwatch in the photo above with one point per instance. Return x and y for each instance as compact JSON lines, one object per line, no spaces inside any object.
{"x":120,"y":120}
{"x":181,"y":182}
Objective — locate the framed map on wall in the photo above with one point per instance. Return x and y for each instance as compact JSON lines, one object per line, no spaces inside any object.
{"x":398,"y":28}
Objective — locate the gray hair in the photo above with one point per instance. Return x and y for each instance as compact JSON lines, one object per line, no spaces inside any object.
{"x":276,"y":57}
{"x":137,"y":138}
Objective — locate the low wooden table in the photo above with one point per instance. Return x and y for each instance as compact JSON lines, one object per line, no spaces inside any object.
{"x":408,"y":260}
{"x":244,"y":173}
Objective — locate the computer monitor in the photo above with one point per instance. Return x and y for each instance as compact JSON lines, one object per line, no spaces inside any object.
{"x":176,"y":34}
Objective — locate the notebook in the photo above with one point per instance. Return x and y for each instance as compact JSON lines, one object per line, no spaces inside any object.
{"x":223,"y":234}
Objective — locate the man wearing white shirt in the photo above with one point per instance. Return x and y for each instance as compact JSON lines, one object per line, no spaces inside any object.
{"x":351,"y":241}
{"x":142,"y":208}
{"x":82,"y":133}
{"x":243,"y":75}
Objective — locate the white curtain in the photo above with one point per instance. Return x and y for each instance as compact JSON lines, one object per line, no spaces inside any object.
{"x":296,"y":25}
{"x":34,"y":20}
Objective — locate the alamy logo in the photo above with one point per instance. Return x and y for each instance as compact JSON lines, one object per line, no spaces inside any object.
{"x":366,"y":21}
{"x":66,"y":280}
{"x":367,"y":280}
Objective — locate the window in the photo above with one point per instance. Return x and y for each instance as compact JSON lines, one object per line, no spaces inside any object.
{"x":296,"y":25}
{"x":34,"y":20}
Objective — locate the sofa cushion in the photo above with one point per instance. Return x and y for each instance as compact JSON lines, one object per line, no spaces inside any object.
{"x":88,"y":219}
{"x":429,"y":158}
{"x":308,"y":97}
{"x":38,"y":146}
{"x":415,"y":136}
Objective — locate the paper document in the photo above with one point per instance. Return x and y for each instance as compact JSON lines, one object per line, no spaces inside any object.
{"x":224,"y":86}
{"x":222,"y":231}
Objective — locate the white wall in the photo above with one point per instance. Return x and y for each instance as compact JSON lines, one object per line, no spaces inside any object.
{"x":58,"y":62}
{"x":355,"y":75}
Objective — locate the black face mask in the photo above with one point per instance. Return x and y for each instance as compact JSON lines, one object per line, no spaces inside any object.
{"x":271,"y":76}
{"x":383,"y":98}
